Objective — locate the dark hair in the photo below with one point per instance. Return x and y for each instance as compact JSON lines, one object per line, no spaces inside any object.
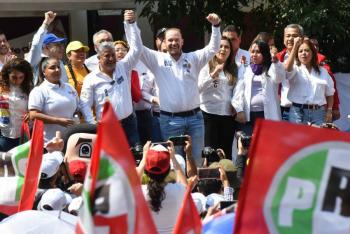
{"x":264,"y":36}
{"x":265,"y":51}
{"x":314,"y":59}
{"x":42,"y":65}
{"x":230,"y":67}
{"x":21,"y":65}
{"x":1,"y":32}
{"x":155,"y":189}
{"x":209,"y":186}
{"x":232,"y":28}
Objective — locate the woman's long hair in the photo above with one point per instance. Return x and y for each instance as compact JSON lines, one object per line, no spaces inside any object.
{"x":21,"y":65}
{"x":265,"y":51}
{"x":314,"y":59}
{"x":155,"y":189}
{"x":230,"y":67}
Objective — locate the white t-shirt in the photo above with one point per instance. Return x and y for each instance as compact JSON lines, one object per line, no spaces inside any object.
{"x":165,"y":219}
{"x":54,"y":100}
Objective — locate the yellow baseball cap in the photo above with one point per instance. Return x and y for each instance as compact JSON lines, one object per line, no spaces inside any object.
{"x":76,"y":45}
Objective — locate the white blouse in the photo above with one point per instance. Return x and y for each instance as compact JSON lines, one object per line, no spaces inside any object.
{"x":309,"y":87}
{"x":215,"y":94}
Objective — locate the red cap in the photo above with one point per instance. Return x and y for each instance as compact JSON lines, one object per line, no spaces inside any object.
{"x":77,"y":169}
{"x":157,"y":162}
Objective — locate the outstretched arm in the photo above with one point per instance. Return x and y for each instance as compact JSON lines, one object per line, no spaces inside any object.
{"x":134,"y":40}
{"x":208,"y":52}
{"x":34,"y":55}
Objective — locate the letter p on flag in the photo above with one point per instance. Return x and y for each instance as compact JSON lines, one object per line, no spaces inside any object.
{"x":298,"y":195}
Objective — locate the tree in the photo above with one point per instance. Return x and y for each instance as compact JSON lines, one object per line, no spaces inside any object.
{"x":190,"y":15}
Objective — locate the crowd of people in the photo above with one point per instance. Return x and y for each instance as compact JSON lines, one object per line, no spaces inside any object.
{"x":184,"y":109}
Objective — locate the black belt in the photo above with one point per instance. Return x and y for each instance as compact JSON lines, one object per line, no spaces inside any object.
{"x":181,"y":114}
{"x":155,"y":113}
{"x":307,"y":106}
{"x":285,"y":108}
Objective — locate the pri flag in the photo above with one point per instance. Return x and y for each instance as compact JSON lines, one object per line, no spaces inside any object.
{"x":112,"y":195}
{"x":19,"y":173}
{"x":297,"y":181}
{"x":188,"y":220}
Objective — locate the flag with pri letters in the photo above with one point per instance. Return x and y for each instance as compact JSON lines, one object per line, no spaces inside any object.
{"x":112,"y":195}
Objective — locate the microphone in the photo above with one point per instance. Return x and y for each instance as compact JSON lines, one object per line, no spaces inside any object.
{"x":112,"y":82}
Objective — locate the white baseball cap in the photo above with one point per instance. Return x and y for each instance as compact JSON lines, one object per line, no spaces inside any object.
{"x":54,"y":199}
{"x":50,"y":164}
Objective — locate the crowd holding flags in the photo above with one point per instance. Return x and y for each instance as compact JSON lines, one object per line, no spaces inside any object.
{"x":315,"y":161}
{"x":113,"y":200}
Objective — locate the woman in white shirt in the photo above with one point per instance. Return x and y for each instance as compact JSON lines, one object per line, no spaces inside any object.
{"x":15,"y":85}
{"x":216,"y":82}
{"x":311,"y":88}
{"x":53,"y":101}
{"x":256,"y":93}
{"x":164,"y":198}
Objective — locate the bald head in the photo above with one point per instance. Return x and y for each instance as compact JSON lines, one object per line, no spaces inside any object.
{"x":173,"y":41}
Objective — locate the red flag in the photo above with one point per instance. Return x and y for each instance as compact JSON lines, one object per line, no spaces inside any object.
{"x":296,"y":182}
{"x":33,"y":167}
{"x":188,"y":220}
{"x":25,"y":133}
{"x":113,"y":182}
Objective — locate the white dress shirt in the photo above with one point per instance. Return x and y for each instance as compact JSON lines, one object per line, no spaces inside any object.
{"x":35,"y":55}
{"x":178,"y":80}
{"x":97,"y":85}
{"x":285,"y":88}
{"x":215,"y":94}
{"x":309,"y":87}
{"x":243,"y":90}
{"x":239,"y":54}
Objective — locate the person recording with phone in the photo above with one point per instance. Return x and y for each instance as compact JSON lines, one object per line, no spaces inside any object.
{"x":242,"y":156}
{"x":164,"y":198}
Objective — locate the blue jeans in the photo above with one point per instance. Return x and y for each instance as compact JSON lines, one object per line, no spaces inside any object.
{"x":191,"y":125}
{"x":8,"y":143}
{"x":306,"y":116}
{"x":156,"y":133}
{"x":129,"y":125}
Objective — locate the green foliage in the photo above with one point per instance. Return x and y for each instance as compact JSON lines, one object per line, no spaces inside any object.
{"x":189,"y":15}
{"x":327,"y":20}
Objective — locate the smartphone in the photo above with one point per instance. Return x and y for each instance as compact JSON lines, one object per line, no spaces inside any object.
{"x":165,"y":144}
{"x":208,"y":173}
{"x":224,"y":204}
{"x":178,"y":140}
